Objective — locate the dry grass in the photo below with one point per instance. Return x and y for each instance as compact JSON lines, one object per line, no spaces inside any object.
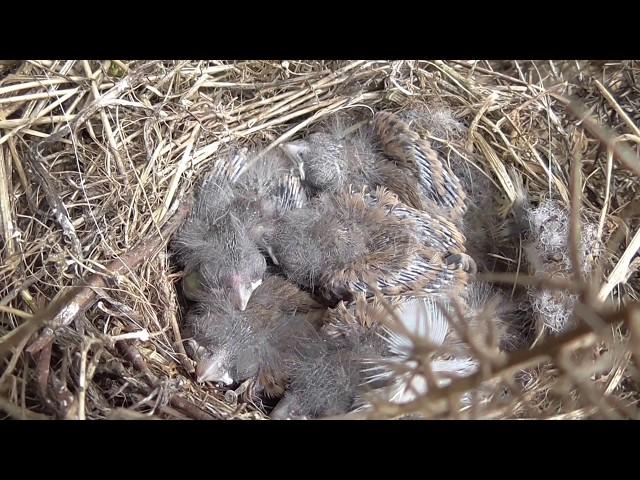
{"x":98,"y":159}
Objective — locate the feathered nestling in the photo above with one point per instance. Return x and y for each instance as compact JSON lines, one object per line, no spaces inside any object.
{"x":279,"y":320}
{"x":343,"y":242}
{"x":491,"y":226}
{"x":220,"y":244}
{"x":362,"y":356}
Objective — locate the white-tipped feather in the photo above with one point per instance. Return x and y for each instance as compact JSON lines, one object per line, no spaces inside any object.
{"x":426,"y":320}
{"x":421,"y":318}
{"x":291,"y":194}
{"x":230,"y":169}
{"x":409,"y":386}
{"x":459,"y":366}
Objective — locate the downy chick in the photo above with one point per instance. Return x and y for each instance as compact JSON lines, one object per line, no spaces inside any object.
{"x":279,"y":320}
{"x":325,"y":382}
{"x":321,"y":383}
{"x":359,"y":355}
{"x":341,"y":243}
{"x":355,"y":343}
{"x":547,"y":252}
{"x":345,"y":152}
{"x":221,"y":243}
{"x":366,"y":358}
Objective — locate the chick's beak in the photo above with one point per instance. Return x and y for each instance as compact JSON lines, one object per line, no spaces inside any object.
{"x":210,"y":370}
{"x":294,"y":152}
{"x":241,"y":294}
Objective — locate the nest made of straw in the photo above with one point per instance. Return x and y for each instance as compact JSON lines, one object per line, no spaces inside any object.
{"x":98,"y":161}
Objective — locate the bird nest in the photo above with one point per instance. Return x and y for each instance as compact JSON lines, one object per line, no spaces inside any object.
{"x":98,"y":162}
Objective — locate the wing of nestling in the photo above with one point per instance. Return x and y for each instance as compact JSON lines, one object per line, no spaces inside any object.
{"x":438,"y":183}
{"x":407,"y":251}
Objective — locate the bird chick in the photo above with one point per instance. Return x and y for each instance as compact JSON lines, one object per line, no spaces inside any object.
{"x":219,"y":254}
{"x":220,"y":245}
{"x":345,"y":152}
{"x":254,"y":343}
{"x":489,"y":223}
{"x":321,"y":383}
{"x":364,"y":354}
{"x":325,"y":381}
{"x":436,"y":182}
{"x":342,"y":243}
{"x":346,"y":364}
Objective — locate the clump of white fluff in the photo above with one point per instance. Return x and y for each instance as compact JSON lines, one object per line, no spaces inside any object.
{"x":548,"y":254}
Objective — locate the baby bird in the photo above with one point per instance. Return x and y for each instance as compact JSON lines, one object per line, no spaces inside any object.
{"x":279,"y":321}
{"x":436,"y":182}
{"x":322,"y":383}
{"x":365,"y":357}
{"x":220,"y":245}
{"x":326,"y":382}
{"x":347,"y":153}
{"x":335,"y":378}
{"x":342,"y":243}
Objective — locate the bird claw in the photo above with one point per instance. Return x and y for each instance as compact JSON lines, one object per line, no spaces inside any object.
{"x":464,"y":261}
{"x":231,"y":397}
{"x":243,"y":387}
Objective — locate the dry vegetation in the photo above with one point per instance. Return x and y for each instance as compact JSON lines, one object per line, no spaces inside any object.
{"x":98,"y":160}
